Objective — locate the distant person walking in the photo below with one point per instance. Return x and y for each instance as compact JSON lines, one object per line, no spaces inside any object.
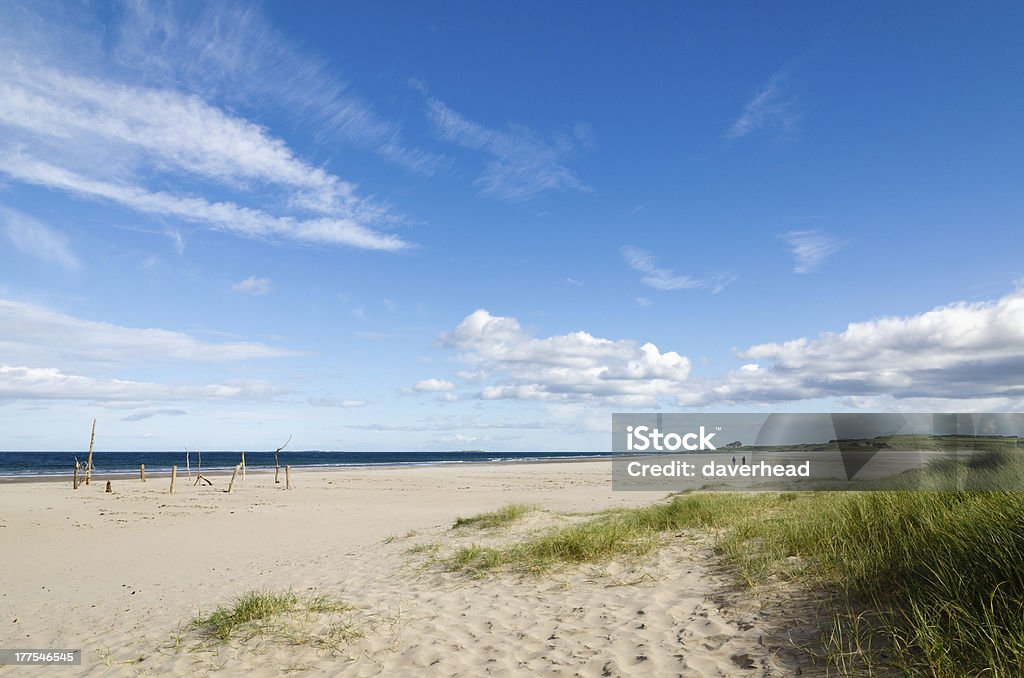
{"x":744,"y":461}
{"x":734,"y":460}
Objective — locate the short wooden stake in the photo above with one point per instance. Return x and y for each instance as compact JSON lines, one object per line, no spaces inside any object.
{"x":287,"y":477}
{"x":142,"y":472}
{"x":231,"y":485}
{"x":109,"y":488}
{"x":74,"y":483}
{"x":243,"y":464}
{"x":174,"y":476}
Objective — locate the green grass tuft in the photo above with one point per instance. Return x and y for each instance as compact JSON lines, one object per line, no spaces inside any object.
{"x":254,"y":606}
{"x":499,"y":518}
{"x":254,"y":612}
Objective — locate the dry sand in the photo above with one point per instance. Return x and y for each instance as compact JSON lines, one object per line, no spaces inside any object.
{"x":120,"y":575}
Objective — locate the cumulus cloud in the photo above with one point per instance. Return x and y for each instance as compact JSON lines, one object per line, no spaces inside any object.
{"x":665,"y":279}
{"x":522,"y":163}
{"x":252,"y":285}
{"x":810,"y":248}
{"x":430,"y":386}
{"x":34,"y":238}
{"x":575,"y":367}
{"x":960,"y":351}
{"x":961,"y":356}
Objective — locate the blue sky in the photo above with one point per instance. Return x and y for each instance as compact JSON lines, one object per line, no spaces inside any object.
{"x":402,"y":226}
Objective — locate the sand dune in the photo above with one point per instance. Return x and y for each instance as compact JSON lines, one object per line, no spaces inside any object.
{"x":120,"y":576}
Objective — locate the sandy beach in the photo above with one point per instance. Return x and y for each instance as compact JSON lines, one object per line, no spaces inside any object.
{"x":121,"y":575}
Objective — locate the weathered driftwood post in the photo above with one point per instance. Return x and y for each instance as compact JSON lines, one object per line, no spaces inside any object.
{"x":199,"y":470}
{"x":188,"y":469}
{"x":231,"y":485}
{"x":277,"y":466}
{"x":287,"y":478}
{"x":243,"y":464}
{"x":142,"y":472}
{"x":110,"y":489}
{"x":174,"y":476}
{"x":74,"y":483}
{"x":88,"y":464}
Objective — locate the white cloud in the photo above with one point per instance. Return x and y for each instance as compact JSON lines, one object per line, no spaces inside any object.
{"x":523,"y":164}
{"x":430,"y":386}
{"x":173,"y":128}
{"x":330,"y":401}
{"x":575,"y":367}
{"x":229,"y":50}
{"x":665,"y":279}
{"x":49,"y":383}
{"x":105,"y":139}
{"x":36,"y":239}
{"x":148,"y":414}
{"x":224,"y":216}
{"x":772,"y":107}
{"x":810,"y":248}
{"x":34,"y":334}
{"x":963,"y":351}
{"x":253,"y":285}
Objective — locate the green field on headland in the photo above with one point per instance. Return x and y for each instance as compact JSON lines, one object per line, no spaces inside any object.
{"x":915,"y":442}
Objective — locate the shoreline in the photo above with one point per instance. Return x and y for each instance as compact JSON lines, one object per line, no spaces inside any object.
{"x":218,"y":472}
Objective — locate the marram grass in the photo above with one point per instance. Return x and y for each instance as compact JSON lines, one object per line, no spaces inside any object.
{"x":506,"y":515}
{"x":939,"y":575}
{"x":256,"y":612}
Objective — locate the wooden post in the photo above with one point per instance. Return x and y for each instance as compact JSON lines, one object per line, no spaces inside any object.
{"x":74,"y":483}
{"x":199,"y":470}
{"x":287,"y":478}
{"x":243,"y":464}
{"x":188,"y":469}
{"x":277,"y":466}
{"x":88,"y":464}
{"x":174,"y":476}
{"x":142,"y":472}
{"x":231,"y":485}
{"x":109,"y":488}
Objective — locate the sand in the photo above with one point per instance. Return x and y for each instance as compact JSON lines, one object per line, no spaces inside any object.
{"x":120,"y":575}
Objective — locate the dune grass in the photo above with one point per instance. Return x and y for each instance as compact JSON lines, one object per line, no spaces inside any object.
{"x":941,"y":572}
{"x":936,"y":577}
{"x":614,"y":533}
{"x":257,"y":612}
{"x":506,"y":515}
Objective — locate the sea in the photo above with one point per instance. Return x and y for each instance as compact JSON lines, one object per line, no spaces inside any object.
{"x":43,"y":464}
